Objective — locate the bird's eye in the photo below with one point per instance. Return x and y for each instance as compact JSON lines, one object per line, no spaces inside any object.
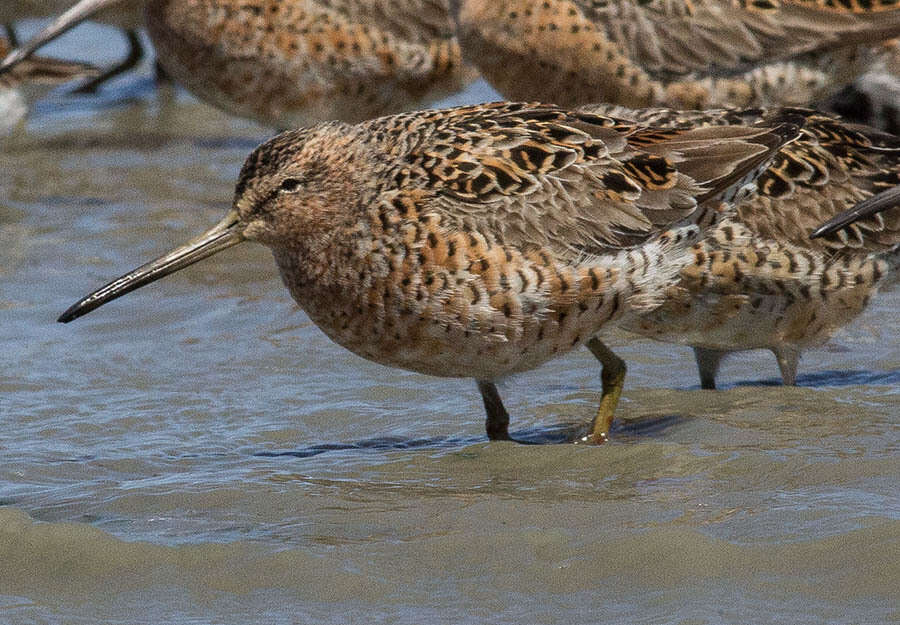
{"x":289,"y":185}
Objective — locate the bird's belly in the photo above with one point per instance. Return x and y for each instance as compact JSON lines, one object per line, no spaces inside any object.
{"x":282,"y":72}
{"x":475,"y":349}
{"x":482,"y":312}
{"x":738,"y":322}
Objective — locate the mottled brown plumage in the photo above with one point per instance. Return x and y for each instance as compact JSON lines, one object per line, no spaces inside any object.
{"x":677,"y":53}
{"x":290,"y":63}
{"x":480,"y":241}
{"x":869,"y":211}
{"x":300,"y":62}
{"x":758,"y":280}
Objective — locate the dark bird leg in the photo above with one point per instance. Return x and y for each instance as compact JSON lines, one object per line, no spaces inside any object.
{"x":708,"y":361}
{"x":497,"y":422}
{"x":135,"y":54}
{"x":162,"y":77}
{"x":11,"y":35}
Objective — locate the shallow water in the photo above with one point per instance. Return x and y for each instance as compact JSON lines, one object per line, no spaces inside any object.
{"x":198,"y":452}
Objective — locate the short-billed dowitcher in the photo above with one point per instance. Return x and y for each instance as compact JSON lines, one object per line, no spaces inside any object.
{"x":758,"y":280}
{"x":480,"y":241}
{"x":675,"y":53}
{"x":298,"y":62}
{"x":31,"y":78}
{"x":127,"y":16}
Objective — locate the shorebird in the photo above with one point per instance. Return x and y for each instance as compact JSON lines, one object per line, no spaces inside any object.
{"x":127,"y":16}
{"x":298,"y":62}
{"x":673,"y":53}
{"x":758,"y":281}
{"x":480,"y":241}
{"x":29,"y":80}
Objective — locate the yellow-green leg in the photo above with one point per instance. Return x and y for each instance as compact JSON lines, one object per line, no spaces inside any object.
{"x":613,"y":377}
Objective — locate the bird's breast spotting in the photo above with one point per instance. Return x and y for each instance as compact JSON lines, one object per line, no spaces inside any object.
{"x":410,"y":290}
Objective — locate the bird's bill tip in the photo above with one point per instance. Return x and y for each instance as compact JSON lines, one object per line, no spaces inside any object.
{"x":823,"y":230}
{"x":221,"y":236}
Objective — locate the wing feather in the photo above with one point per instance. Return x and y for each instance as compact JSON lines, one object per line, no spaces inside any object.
{"x":669,"y":38}
{"x":577,"y":182}
{"x":840,"y":176}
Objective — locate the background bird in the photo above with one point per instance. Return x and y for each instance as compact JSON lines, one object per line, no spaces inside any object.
{"x":679,"y":54}
{"x":126,"y":15}
{"x":299,"y":62}
{"x":758,"y":280}
{"x":30,"y":80}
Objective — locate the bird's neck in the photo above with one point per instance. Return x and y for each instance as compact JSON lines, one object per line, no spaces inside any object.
{"x":316,"y":267}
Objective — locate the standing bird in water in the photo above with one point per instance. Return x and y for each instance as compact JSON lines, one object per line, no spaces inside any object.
{"x":298,"y":62}
{"x":758,"y":280}
{"x":480,"y":241}
{"x":682,"y":54}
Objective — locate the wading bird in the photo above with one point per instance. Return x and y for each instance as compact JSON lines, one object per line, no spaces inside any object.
{"x":126,"y":15}
{"x":481,"y":241}
{"x":682,"y":54}
{"x":758,"y":280}
{"x":297,"y":62}
{"x":29,"y":80}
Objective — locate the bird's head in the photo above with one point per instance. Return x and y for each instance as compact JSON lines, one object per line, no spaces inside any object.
{"x":290,"y":192}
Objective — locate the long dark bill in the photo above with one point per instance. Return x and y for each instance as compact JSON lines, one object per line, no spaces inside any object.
{"x":879,"y":202}
{"x":221,"y":236}
{"x":69,"y":19}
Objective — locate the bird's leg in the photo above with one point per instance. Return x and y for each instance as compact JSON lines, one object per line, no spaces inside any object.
{"x":708,"y":361}
{"x":788,"y":358}
{"x":11,"y":35}
{"x":613,"y":377}
{"x":135,"y":54}
{"x":497,"y":422}
{"x":162,"y":77}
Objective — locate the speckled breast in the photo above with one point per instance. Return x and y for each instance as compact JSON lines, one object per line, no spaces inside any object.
{"x":409,"y":293}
